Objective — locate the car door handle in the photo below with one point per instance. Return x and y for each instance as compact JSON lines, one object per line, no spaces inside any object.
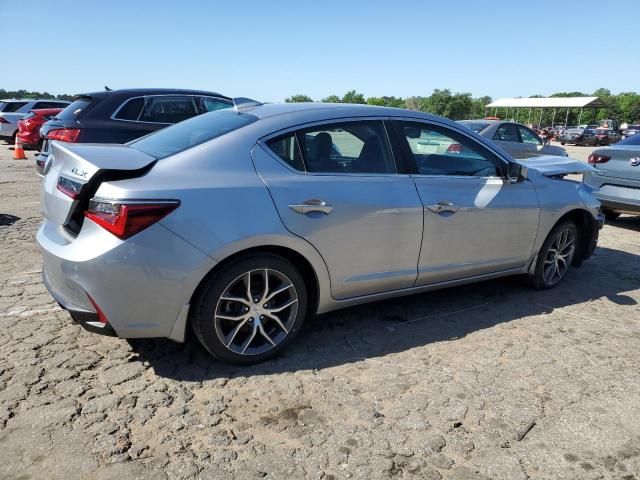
{"x":443,"y":207}
{"x":313,"y":205}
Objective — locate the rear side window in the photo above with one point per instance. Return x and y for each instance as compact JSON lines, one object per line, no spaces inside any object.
{"x":74,"y":110}
{"x":9,"y":107}
{"x":168,"y":109}
{"x":211,"y":104}
{"x":346,"y":147}
{"x":288,"y":149}
{"x":130,"y":110}
{"x":192,"y":132}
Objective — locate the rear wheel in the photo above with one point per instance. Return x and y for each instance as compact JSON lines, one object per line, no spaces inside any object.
{"x":251,"y":309}
{"x":555,"y":256}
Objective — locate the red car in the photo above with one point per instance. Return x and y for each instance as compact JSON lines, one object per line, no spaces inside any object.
{"x":29,"y":125}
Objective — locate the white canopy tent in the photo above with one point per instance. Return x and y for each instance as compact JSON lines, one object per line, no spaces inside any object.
{"x":547,"y":102}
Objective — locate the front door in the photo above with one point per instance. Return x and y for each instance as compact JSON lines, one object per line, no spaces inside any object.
{"x":336,"y":185}
{"x":475,"y":221}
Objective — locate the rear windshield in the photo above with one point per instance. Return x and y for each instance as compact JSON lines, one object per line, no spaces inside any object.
{"x":8,"y":107}
{"x":475,"y":126}
{"x":192,"y":132}
{"x":632,"y":140}
{"x":76,"y":108}
{"x":575,"y":130}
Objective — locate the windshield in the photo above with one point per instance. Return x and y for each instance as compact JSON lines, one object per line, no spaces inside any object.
{"x":475,"y":126}
{"x":632,"y":140}
{"x":192,"y":132}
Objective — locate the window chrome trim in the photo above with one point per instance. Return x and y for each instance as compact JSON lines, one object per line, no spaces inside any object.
{"x":146,"y":99}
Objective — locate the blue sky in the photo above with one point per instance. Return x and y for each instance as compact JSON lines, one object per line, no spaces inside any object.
{"x":269,"y":50}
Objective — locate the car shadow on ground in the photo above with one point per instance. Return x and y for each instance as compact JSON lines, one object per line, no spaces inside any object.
{"x":398,"y":325}
{"x":627,"y":221}
{"x":6,"y":219}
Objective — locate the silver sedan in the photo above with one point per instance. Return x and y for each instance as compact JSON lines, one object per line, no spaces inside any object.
{"x":519,"y":141}
{"x":241,"y":223}
{"x":616,"y":178}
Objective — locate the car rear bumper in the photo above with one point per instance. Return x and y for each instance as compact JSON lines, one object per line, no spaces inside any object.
{"x":141,"y":285}
{"x":615,"y":194}
{"x":29,"y":139}
{"x":8,"y":129}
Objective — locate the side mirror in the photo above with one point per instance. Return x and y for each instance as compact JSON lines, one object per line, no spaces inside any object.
{"x":514,"y":173}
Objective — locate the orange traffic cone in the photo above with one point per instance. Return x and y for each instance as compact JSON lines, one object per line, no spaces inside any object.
{"x":18,"y":151}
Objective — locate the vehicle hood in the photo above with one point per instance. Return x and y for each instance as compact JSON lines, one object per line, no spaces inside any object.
{"x":552,"y":166}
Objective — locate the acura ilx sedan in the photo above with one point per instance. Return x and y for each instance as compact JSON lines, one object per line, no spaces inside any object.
{"x":241,"y":223}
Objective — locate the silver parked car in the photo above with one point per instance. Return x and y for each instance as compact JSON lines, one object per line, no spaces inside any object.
{"x":516,"y":139}
{"x":243,"y":222}
{"x":616,"y":178}
{"x":12,"y":110}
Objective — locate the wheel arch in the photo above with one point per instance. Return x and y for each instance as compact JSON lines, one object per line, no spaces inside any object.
{"x":305,"y":266}
{"x":587,"y":230}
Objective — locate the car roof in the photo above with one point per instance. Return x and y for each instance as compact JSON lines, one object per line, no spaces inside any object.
{"x":482,"y":120}
{"x":150,"y":91}
{"x":326,"y":110}
{"x":8,"y":100}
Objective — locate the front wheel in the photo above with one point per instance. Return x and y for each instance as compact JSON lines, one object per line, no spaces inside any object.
{"x":251,"y":309}
{"x":555,"y":256}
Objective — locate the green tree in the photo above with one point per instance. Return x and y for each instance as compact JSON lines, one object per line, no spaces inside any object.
{"x":353,"y":97}
{"x":386,"y":101}
{"x":332,"y":99}
{"x":298,"y":99}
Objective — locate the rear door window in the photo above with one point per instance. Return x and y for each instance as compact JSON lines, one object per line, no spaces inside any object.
{"x":168,"y":109}
{"x":10,"y":107}
{"x":130,"y":110}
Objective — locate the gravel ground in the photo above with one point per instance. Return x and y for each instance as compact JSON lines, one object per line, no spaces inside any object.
{"x":486,"y":381}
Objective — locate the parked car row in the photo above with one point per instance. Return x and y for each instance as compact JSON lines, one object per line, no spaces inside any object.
{"x":589,"y":136}
{"x":119,"y":116}
{"x":13,"y":110}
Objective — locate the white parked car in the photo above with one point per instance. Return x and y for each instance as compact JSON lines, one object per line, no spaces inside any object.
{"x":12,"y":110}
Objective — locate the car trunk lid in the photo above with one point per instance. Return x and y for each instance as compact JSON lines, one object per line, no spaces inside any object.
{"x":623,"y":162}
{"x":75,"y":171}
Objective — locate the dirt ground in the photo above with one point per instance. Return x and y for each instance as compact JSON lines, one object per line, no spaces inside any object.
{"x":492,"y":380}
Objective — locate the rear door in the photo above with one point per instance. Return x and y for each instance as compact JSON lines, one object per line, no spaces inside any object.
{"x":508,"y":138}
{"x":475,"y":222}
{"x":337,"y":186}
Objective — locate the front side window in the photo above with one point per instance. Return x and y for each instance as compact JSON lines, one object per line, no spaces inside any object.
{"x":507,"y":132}
{"x":168,"y":109}
{"x":439,"y":151}
{"x":529,"y":137}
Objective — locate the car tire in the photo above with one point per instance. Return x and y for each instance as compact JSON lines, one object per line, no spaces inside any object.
{"x":242,"y":330}
{"x":555,"y":256}
{"x":610,"y":215}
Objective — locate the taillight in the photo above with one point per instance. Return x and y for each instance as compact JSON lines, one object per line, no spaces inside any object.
{"x":454,"y":148}
{"x":69,"y":187}
{"x":102,"y":318}
{"x":126,"y":219}
{"x":64,"y":134}
{"x":593,"y":159}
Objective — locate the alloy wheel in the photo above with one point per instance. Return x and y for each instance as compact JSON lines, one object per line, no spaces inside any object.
{"x":256,"y":312}
{"x":559,"y":256}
